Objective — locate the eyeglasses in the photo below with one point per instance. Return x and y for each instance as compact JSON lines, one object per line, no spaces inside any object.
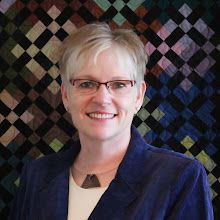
{"x":115,"y":87}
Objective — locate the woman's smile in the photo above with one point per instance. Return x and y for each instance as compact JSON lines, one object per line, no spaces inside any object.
{"x":101,"y":115}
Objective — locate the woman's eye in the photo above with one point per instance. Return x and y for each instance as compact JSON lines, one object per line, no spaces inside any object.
{"x":87,"y":84}
{"x":118,"y":85}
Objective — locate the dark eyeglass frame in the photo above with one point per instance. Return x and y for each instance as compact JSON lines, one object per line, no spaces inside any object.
{"x":132,"y":82}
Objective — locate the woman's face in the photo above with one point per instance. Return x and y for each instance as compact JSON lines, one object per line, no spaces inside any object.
{"x":101,"y":115}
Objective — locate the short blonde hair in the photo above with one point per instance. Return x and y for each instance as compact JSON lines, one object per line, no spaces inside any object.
{"x":92,"y":39}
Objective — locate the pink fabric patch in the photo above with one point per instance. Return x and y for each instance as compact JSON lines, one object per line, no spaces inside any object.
{"x":163,"y":48}
{"x":150,"y":48}
{"x":164,"y":63}
{"x":163,"y":33}
{"x":178,"y":48}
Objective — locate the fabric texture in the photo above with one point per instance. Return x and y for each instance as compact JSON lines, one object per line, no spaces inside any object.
{"x":82,"y":201}
{"x":176,"y":187}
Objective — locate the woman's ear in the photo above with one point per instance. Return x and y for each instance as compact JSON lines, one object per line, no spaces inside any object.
{"x":140,"y":95}
{"x":65,"y":98}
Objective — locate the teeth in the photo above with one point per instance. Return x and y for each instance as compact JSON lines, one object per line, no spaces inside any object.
{"x":96,"y":115}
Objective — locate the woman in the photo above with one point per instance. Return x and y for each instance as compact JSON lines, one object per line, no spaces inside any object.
{"x":111,"y":173}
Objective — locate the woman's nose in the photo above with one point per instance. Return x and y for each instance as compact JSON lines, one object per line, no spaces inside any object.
{"x":102,"y":95}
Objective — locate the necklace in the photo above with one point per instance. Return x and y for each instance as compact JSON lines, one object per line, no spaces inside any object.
{"x":91,"y":180}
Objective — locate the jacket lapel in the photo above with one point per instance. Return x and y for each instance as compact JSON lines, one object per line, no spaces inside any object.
{"x":116,"y":202}
{"x":53,"y":193}
{"x":54,"y":198}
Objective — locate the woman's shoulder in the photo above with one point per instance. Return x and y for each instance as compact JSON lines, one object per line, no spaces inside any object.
{"x":51,"y":163}
{"x":167,"y":159}
{"x":159,"y":155}
{"x":167,"y":154}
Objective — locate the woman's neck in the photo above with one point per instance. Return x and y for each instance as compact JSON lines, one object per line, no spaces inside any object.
{"x":99,"y":156}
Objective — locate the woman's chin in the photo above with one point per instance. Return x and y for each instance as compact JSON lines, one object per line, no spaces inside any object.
{"x":101,"y":134}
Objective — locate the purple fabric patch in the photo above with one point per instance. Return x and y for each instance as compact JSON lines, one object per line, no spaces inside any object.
{"x":185,"y":10}
{"x":202,"y":28}
{"x":190,"y":48}
{"x":5,"y":5}
{"x":204,"y":66}
{"x":185,"y":26}
{"x":186,"y":84}
{"x":186,"y":69}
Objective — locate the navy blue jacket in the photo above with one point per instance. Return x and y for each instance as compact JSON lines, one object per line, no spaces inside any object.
{"x":151,"y":183}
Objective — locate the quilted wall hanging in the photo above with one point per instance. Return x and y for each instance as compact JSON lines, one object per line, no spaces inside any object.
{"x":179,"y":112}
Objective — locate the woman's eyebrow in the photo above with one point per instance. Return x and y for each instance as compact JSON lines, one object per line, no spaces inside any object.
{"x":119,"y":77}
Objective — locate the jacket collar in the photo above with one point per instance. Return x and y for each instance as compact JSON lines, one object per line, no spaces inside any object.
{"x":120,"y":193}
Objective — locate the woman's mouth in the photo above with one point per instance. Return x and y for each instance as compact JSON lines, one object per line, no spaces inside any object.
{"x":101,"y":115}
